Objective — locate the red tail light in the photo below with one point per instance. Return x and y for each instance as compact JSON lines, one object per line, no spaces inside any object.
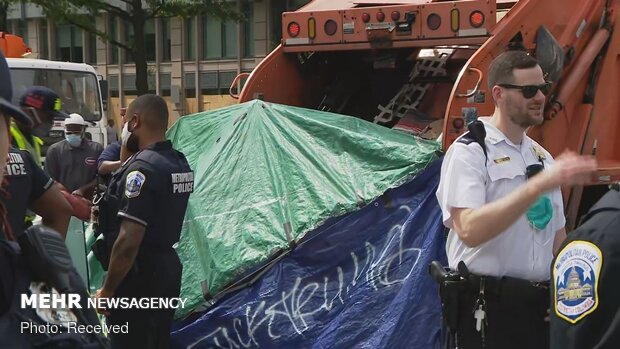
{"x":365,"y":17}
{"x":476,"y":19}
{"x":293,"y":29}
{"x":380,"y":16}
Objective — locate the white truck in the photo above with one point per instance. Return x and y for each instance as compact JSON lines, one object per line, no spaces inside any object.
{"x":78,"y":85}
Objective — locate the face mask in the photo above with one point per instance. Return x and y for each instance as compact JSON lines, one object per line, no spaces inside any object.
{"x":43,"y":129}
{"x":540,"y":213}
{"x":74,"y":140}
{"x":125,"y":134}
{"x":130,"y":140}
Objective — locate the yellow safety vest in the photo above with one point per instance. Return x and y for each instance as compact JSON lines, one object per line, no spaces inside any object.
{"x":24,"y":144}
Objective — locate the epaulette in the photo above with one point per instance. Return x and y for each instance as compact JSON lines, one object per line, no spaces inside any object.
{"x":476,"y":133}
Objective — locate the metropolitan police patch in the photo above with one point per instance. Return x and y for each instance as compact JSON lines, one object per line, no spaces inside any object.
{"x":576,"y":272}
{"x":133,"y":184}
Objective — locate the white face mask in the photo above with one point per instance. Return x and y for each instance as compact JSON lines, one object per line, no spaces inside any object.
{"x":125,"y":134}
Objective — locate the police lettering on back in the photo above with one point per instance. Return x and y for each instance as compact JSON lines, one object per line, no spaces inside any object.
{"x":182,"y":182}
{"x":15,"y":165}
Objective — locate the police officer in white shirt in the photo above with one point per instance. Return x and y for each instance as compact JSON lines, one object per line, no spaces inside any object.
{"x":504,"y":222}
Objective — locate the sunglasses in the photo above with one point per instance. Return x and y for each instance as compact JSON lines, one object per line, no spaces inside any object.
{"x":529,"y":91}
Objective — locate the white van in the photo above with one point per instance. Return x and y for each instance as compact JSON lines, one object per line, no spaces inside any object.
{"x":78,"y":86}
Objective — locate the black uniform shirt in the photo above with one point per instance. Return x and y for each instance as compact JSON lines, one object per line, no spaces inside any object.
{"x":585,"y":294}
{"x":156,"y":184}
{"x":26,"y":183}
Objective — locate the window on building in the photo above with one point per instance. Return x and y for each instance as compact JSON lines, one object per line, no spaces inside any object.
{"x":149,"y":40}
{"x":216,"y":82}
{"x":190,"y":38}
{"x":211,"y":38}
{"x":230,"y":38}
{"x":219,"y":38}
{"x":129,"y":84}
{"x":129,"y":37}
{"x":248,"y":29}
{"x":44,"y":50}
{"x":189,"y":81}
{"x":243,"y":81}
{"x":166,"y":53}
{"x":208,"y":83}
{"x":114,"y":34}
{"x":69,"y":41}
{"x":22,"y":30}
{"x":225,"y":79}
{"x":151,"y":82}
{"x":165,"y":81}
{"x":92,"y":48}
{"x":113,"y":85}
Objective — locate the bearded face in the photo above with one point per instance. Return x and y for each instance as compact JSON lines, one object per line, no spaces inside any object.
{"x":525,"y":112}
{"x":514,"y":102}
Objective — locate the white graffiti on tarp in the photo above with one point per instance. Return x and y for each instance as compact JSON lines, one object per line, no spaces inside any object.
{"x":380,"y":269}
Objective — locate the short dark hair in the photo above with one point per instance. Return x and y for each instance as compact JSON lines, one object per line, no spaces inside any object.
{"x":154,"y":108}
{"x":502,"y":68}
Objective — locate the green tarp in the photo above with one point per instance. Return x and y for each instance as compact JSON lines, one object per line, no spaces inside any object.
{"x":266,"y":174}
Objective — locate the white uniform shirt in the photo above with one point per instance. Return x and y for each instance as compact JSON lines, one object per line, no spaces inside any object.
{"x":521,"y":251}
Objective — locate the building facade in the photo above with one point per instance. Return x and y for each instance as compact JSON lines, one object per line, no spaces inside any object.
{"x":192,"y":61}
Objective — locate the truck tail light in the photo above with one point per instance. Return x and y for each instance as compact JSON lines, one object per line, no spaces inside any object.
{"x":476,"y":19}
{"x":293,"y":29}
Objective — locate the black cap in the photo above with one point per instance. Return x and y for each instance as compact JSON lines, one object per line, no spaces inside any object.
{"x":43,"y":98}
{"x":6,"y":94}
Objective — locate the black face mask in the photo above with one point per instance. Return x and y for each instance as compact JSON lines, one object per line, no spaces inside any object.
{"x":133,"y":144}
{"x":42,"y":130}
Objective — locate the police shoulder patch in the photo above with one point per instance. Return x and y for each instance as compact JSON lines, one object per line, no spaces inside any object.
{"x":576,"y":273}
{"x":133,"y":184}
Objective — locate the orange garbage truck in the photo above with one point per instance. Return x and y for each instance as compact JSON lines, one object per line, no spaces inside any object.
{"x":13,"y":46}
{"x":420,"y":66}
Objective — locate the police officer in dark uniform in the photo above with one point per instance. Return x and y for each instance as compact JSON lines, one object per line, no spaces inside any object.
{"x":30,"y":187}
{"x":31,"y":266}
{"x":585,"y":297}
{"x":144,"y":209}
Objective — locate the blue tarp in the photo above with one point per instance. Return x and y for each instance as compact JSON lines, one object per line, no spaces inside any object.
{"x":360,"y":281}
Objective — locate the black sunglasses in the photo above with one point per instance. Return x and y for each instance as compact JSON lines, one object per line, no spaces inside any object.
{"x":529,"y":91}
